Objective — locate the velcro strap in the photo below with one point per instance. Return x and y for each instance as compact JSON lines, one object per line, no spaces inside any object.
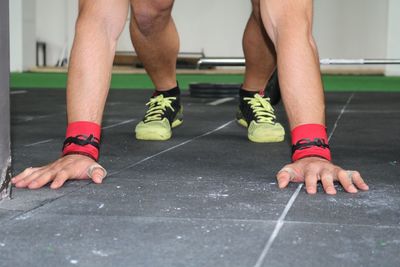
{"x":82,"y":138}
{"x":307,"y":143}
{"x":310,"y":140}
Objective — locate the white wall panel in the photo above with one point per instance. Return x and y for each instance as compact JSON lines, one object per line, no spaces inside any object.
{"x":342,"y":28}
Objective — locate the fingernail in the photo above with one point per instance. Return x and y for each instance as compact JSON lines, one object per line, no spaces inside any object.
{"x":353,"y":189}
{"x":99,"y":174}
{"x":98,"y":177}
{"x":331,"y":192}
{"x":311,"y":191}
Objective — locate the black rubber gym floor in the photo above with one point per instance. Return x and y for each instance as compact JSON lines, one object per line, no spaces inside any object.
{"x":208,"y":196}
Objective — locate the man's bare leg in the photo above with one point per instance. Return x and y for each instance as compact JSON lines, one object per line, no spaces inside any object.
{"x":259,"y":52}
{"x":255,"y":111}
{"x":289,"y":25}
{"x":156,"y":40}
{"x":99,"y":24}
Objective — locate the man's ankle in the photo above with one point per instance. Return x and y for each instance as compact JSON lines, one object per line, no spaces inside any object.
{"x":173,"y":92}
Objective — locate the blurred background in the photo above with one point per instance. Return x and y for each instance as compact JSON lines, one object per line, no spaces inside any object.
{"x":213,"y":28}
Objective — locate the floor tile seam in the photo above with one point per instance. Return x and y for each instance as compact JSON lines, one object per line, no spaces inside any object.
{"x":203,"y":180}
{"x":281,"y":220}
{"x":161,"y":218}
{"x":49,"y":201}
{"x":9,"y":209}
{"x":274,"y":205}
{"x":386,"y":226}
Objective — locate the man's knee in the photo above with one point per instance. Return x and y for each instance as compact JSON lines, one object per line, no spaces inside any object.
{"x":112,"y":21}
{"x":151,"y":15}
{"x":282,"y":18}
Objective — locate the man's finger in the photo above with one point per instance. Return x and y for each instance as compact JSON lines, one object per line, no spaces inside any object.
{"x":327,"y":182}
{"x":22,"y":183}
{"x":283,"y":178}
{"x":311,"y":180}
{"x":97,"y":173}
{"x":42,"y":180}
{"x":346,"y":179}
{"x":22,"y":175}
{"x":359,"y":181}
{"x":61,"y":177}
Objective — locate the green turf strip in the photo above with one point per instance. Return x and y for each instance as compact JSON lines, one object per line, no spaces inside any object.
{"x":332,"y":83}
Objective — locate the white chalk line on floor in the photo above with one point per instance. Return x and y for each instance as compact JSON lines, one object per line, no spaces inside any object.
{"x":171,"y":148}
{"x":278,"y":227}
{"x":340,"y":116}
{"x":221,"y":101}
{"x":32,"y":118}
{"x":18,"y":92}
{"x":39,"y":143}
{"x":281,"y":220}
{"x":104,"y":128}
{"x":118,"y":124}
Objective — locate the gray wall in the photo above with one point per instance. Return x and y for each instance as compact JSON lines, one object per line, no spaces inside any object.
{"x":4,"y":99}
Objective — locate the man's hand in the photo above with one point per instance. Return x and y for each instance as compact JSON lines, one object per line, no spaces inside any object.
{"x":313,"y":169}
{"x":58,"y":172}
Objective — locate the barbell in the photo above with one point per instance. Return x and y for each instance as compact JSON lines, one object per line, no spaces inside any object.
{"x":239,"y":62}
{"x":210,"y":90}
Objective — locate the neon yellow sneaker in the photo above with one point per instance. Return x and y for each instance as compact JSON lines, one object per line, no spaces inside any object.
{"x":257,"y":115}
{"x":163,"y":114}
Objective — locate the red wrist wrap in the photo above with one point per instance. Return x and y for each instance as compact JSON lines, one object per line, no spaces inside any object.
{"x":82,"y":138}
{"x":310,"y":140}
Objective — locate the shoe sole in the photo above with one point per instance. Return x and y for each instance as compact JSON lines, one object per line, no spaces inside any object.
{"x":264,"y":139}
{"x":275,"y":139}
{"x":156,"y":136}
{"x":152,"y":136}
